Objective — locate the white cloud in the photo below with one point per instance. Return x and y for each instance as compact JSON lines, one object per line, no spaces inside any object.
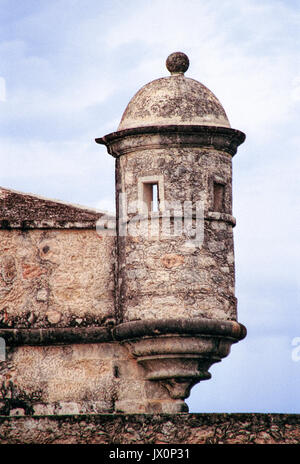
{"x":295,"y":94}
{"x":106,"y":204}
{"x":241,"y":50}
{"x":234,"y":49}
{"x":72,"y":97}
{"x":2,"y":89}
{"x":267,"y":210}
{"x":74,"y":170}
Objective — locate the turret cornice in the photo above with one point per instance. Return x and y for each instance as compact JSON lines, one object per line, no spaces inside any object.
{"x":129,"y":140}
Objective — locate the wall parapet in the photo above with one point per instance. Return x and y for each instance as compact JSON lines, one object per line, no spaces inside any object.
{"x":236,"y":428}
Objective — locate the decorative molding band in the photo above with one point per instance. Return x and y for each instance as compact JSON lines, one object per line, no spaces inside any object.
{"x":209,"y":216}
{"x":6,"y":224}
{"x":56,"y":336}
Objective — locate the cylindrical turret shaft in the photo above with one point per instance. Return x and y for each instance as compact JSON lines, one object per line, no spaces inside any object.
{"x":174,"y":199}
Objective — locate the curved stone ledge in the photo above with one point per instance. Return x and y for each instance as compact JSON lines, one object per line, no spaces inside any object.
{"x":201,"y":326}
{"x":124,"y":331}
{"x":216,"y":216}
{"x":55,"y":336}
{"x":129,"y":140}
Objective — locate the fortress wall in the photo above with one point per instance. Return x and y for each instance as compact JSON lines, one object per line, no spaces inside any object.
{"x":156,"y":429}
{"x":85,"y":378}
{"x":57,"y":307}
{"x":55,"y":278}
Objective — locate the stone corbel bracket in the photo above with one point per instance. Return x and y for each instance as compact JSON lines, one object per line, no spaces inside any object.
{"x":179,"y":352}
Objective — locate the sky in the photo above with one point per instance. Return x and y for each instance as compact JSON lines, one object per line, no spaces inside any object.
{"x":68,"y":68}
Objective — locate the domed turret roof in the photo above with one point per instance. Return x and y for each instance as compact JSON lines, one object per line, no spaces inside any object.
{"x":174,"y":100}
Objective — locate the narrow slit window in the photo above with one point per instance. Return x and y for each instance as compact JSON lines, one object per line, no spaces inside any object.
{"x":219,"y":197}
{"x":155,"y":198}
{"x":151,"y":196}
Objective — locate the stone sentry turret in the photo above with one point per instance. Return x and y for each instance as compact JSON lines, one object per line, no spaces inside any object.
{"x":126,"y":319}
{"x":175,"y":281}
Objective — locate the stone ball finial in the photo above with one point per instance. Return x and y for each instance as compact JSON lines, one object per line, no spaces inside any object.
{"x":177,"y":63}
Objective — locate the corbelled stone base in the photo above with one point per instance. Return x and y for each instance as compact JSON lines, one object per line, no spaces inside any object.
{"x":144,"y":429}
